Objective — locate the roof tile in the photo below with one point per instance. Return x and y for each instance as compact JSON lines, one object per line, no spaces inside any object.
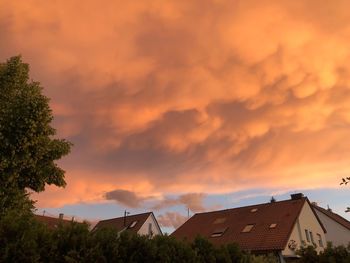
{"x":118,"y":222}
{"x":261,"y":236}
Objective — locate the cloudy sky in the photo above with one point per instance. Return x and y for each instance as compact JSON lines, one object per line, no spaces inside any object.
{"x":201,"y":104}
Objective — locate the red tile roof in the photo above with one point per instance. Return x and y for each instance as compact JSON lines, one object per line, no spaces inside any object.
{"x":233,"y":221}
{"x":118,"y":222}
{"x":52,"y":222}
{"x":339,"y":219}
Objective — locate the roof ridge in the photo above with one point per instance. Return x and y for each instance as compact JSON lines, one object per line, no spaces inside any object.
{"x":128,"y":216}
{"x":51,"y":217}
{"x":267,"y":203}
{"x":331,"y":213}
{"x":236,"y":219}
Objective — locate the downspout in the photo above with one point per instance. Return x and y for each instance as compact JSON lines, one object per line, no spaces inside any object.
{"x":299,"y":231}
{"x":280,"y":257}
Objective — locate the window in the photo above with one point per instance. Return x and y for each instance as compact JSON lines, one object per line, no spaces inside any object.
{"x":150,"y":230}
{"x":132,"y":224}
{"x":273,"y":225}
{"x":254,"y":210}
{"x":320,"y":242}
{"x":218,"y":232}
{"x":219,"y":220}
{"x":312,"y":237}
{"x":247,"y":228}
{"x":307,"y":235}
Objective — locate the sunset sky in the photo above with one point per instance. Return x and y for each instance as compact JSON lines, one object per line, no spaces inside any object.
{"x":205,"y":104}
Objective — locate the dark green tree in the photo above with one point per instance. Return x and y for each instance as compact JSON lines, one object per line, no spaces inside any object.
{"x":308,"y":255}
{"x":28,"y":149}
{"x":205,"y":250}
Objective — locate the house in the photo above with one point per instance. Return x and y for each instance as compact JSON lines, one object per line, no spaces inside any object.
{"x":338,"y":228}
{"x":142,"y":224}
{"x":53,"y":222}
{"x":275,"y":227}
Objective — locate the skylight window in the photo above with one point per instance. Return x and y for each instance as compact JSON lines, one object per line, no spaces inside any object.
{"x":273,"y":225}
{"x":254,"y":210}
{"x":218,"y":232}
{"x":220,"y":220}
{"x":247,"y":228}
{"x":133,"y":224}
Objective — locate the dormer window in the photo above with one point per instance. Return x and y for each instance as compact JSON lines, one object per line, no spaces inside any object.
{"x":219,"y":220}
{"x":248,"y":228}
{"x":133,"y":224}
{"x":273,"y":225}
{"x":218,"y":232}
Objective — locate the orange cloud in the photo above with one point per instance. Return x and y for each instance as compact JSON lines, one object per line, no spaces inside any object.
{"x":190,"y":96}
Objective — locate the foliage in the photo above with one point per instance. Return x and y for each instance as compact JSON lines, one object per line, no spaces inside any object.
{"x":28,"y":150}
{"x":308,"y":254}
{"x":345,"y":181}
{"x":20,"y":237}
{"x":331,"y":254}
{"x":23,"y":239}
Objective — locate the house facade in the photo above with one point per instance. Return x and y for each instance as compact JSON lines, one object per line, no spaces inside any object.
{"x":308,"y":230}
{"x":142,"y":224}
{"x":275,"y":227}
{"x":338,"y":228}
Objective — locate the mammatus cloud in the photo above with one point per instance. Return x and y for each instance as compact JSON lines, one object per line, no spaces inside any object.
{"x":164,"y":97}
{"x":125,"y":197}
{"x":171,"y":219}
{"x":193,"y":201}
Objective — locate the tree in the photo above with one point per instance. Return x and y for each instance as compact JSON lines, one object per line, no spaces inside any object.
{"x":345,"y":181}
{"x":308,"y":255}
{"x":28,"y":149}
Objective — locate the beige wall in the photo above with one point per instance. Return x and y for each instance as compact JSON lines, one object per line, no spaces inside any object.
{"x":155,"y":229}
{"x":336,"y":233}
{"x":306,"y":220}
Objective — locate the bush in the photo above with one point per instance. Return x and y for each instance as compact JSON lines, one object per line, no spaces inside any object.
{"x":24,"y":239}
{"x":331,"y":254}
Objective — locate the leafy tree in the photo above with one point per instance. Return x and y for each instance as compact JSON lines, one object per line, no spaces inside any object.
{"x":21,"y":237}
{"x":204,"y":250}
{"x":170,"y":249}
{"x":338,"y":254}
{"x":235,"y":252}
{"x":103,"y":245}
{"x":345,"y":181}
{"x":308,"y":255}
{"x":28,"y":149}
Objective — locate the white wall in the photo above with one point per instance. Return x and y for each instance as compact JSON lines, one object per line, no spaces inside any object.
{"x":307,"y":220}
{"x":336,"y":233}
{"x":155,"y":229}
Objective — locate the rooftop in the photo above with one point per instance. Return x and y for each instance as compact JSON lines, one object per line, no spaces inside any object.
{"x":328,"y":212}
{"x":130,"y":222}
{"x":256,"y":227}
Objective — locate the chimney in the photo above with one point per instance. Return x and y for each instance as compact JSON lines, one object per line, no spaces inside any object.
{"x":60,"y":216}
{"x":296,"y":196}
{"x":314,"y":203}
{"x":73,"y":218}
{"x":329,"y":209}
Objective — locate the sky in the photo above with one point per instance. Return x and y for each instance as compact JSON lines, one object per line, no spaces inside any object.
{"x":201,"y":105}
